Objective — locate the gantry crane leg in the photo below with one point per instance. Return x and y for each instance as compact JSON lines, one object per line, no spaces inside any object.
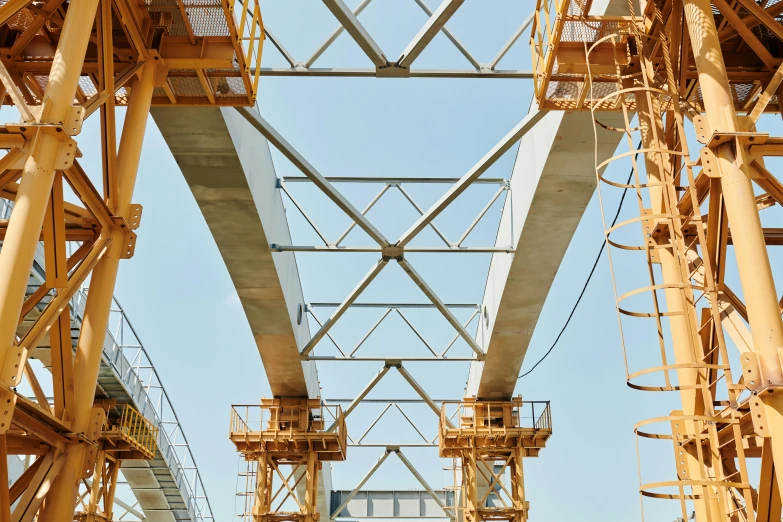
{"x":490,"y":442}
{"x":290,"y":437}
{"x":24,"y":227}
{"x":749,"y":245}
{"x":96,"y":64}
{"x":61,"y":500}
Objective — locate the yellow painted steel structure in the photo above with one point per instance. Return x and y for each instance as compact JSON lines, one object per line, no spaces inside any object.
{"x":62,"y":62}
{"x":129,"y":437}
{"x":493,"y":437}
{"x":714,"y":67}
{"x":668,"y":66}
{"x":287,"y":434}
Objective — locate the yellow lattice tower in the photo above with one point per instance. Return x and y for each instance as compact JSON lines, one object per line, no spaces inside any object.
{"x":493,"y":437}
{"x":290,"y":435}
{"x":714,"y":68}
{"x":62,"y":61}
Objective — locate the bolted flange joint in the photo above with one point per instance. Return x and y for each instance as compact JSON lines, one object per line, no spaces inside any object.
{"x":393,"y":252}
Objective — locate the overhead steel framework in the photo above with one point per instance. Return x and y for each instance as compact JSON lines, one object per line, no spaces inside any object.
{"x":396,"y":250}
{"x":402,"y":67}
{"x":652,"y":74}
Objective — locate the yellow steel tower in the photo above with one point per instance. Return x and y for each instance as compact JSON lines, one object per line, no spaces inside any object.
{"x":60,"y":63}
{"x":675,"y":68}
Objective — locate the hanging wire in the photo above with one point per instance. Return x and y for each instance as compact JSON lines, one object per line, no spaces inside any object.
{"x":589,"y":277}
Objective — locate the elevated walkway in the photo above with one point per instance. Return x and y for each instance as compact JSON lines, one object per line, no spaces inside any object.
{"x":168,"y":487}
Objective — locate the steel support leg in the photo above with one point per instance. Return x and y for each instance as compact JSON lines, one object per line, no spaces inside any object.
{"x":24,"y":227}
{"x":518,"y":485}
{"x":311,"y":487}
{"x":62,"y":497}
{"x":749,"y":246}
{"x":261,"y":502}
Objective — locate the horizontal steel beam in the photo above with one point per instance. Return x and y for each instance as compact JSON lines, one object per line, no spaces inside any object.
{"x":409,"y":250}
{"x":327,"y":358}
{"x":370,"y":179}
{"x":394,"y":305}
{"x":414,"y":73}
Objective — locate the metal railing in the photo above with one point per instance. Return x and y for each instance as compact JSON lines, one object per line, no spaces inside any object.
{"x":138,"y":430}
{"x":498,"y":416}
{"x":568,"y":23}
{"x":250,"y":35}
{"x":126,"y":356}
{"x":285,"y":420}
{"x":548,"y":17}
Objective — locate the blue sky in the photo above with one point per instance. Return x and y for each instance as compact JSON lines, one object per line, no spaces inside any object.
{"x":180,"y":299}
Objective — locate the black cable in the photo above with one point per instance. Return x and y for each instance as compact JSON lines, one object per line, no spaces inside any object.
{"x":589,"y":277}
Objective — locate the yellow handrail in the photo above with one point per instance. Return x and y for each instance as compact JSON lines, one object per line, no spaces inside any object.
{"x":249,"y":33}
{"x":137,"y":430}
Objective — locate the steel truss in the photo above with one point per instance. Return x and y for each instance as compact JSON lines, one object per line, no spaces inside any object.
{"x":680,"y":71}
{"x":490,"y":439}
{"x":288,"y":434}
{"x":61,"y":69}
{"x":390,"y":251}
{"x":392,"y":308}
{"x":402,"y":66}
{"x":396,"y":250}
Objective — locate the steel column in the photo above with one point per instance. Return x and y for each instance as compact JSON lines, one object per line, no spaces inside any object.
{"x":61,"y":501}
{"x":750,"y":249}
{"x":24,"y":227}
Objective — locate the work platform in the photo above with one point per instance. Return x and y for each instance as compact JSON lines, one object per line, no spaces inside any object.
{"x":495,"y":426}
{"x":564,"y":30}
{"x":289,"y":426}
{"x":290,"y":433}
{"x":206,"y":58}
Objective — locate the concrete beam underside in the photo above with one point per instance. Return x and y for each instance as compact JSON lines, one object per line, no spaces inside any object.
{"x":551,"y":185}
{"x":228,"y":167}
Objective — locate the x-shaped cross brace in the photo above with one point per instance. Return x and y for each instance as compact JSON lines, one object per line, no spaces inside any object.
{"x":391,"y":251}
